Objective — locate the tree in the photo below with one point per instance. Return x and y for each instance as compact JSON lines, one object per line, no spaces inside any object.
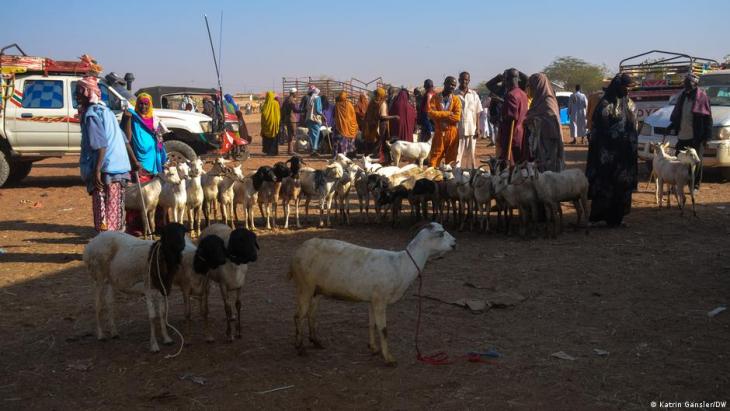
{"x":572,"y":71}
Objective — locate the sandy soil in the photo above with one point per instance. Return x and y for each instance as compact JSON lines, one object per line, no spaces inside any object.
{"x":641,"y":293}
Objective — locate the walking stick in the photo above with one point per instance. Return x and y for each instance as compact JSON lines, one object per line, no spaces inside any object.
{"x":147,"y":231}
{"x":509,"y":145}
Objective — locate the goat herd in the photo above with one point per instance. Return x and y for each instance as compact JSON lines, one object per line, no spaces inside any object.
{"x":221,"y":253}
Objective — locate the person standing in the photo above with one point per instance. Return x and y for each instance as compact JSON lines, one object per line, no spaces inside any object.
{"x":289,"y":111}
{"x":105,"y":157}
{"x":376,"y":124}
{"x":313,"y":118}
{"x":345,"y":124}
{"x":577,"y":105}
{"x":486,"y":129}
{"x":423,"y":120}
{"x":404,"y":124}
{"x":612,"y":165}
{"x":514,"y":109}
{"x":543,"y":121}
{"x":445,"y":111}
{"x":691,"y":121}
{"x":270,"y":121}
{"x":361,"y":109}
{"x":471,"y":107}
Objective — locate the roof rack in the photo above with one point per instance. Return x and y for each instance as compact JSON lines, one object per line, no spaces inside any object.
{"x":668,"y":69}
{"x":23,"y":63}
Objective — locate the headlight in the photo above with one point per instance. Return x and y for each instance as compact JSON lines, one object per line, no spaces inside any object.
{"x":207,"y":126}
{"x":232,"y":126}
{"x":721,"y":133}
{"x":645,"y":130}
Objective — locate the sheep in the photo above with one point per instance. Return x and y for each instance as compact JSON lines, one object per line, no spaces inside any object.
{"x":195,"y":196}
{"x":552,"y":188}
{"x":319,"y":184}
{"x":483,"y":193}
{"x":173,"y":196}
{"x":677,"y":173}
{"x":210,"y":182}
{"x":409,"y":151}
{"x":245,"y":194}
{"x":291,"y":188}
{"x":225,"y":193}
{"x":119,"y":261}
{"x":264,"y":182}
{"x":242,"y":249}
{"x":360,"y":274}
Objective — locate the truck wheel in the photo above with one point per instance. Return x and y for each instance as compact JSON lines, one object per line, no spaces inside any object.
{"x":178,"y":151}
{"x":19,"y":170}
{"x":4,"y":168}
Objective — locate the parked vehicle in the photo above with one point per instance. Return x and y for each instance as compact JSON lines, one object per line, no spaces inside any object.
{"x":38,"y":115}
{"x":717,"y":150}
{"x":563,"y":100}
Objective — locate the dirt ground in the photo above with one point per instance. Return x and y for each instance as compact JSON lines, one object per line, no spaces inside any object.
{"x":641,"y":293}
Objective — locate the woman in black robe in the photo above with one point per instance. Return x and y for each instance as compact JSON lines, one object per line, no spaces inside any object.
{"x":612,"y":154}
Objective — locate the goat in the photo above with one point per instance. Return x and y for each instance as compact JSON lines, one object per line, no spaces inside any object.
{"x":245,"y":194}
{"x":319,"y":184}
{"x":518,"y":193}
{"x":151,"y":194}
{"x":119,"y":261}
{"x":342,"y":190}
{"x":361,"y":274}
{"x":406,"y":150}
{"x":242,"y":249}
{"x":677,"y":173}
{"x":195,"y":196}
{"x":173,"y":195}
{"x":425,"y":190}
{"x":483,"y":193}
{"x":226,"y":194}
{"x":291,"y":188}
{"x":210,"y":182}
{"x":363,"y":193}
{"x":264,"y":182}
{"x":553,"y":188}
{"x":464,"y":193}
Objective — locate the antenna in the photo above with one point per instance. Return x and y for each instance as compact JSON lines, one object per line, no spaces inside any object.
{"x":220,"y":44}
{"x":212,"y":49}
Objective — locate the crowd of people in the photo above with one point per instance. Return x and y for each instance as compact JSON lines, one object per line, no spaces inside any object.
{"x":520,"y":116}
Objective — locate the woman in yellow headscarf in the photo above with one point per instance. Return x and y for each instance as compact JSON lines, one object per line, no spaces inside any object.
{"x":270,"y":121}
{"x":345,"y":124}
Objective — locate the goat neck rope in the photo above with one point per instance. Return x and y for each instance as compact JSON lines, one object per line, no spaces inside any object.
{"x":155,"y":248}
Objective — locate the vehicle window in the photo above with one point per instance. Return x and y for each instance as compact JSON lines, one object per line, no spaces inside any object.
{"x":43,"y":94}
{"x":719,"y":95}
{"x":105,"y":95}
{"x":563,"y":101}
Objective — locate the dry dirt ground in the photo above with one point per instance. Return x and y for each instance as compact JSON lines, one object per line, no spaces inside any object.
{"x":642,"y":293}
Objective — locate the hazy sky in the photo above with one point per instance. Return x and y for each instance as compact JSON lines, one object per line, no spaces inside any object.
{"x":165,"y":42}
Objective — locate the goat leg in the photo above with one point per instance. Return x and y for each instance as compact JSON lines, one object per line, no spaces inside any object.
{"x":238,"y":313}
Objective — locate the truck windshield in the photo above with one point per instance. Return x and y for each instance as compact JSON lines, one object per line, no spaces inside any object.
{"x":719,"y":95}
{"x":122,"y":91}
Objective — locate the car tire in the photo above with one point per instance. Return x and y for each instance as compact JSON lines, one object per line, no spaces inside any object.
{"x":4,"y":168}
{"x":18,"y":171}
{"x":179,"y":151}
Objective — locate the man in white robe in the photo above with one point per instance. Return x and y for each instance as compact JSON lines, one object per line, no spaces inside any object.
{"x":577,"y":111}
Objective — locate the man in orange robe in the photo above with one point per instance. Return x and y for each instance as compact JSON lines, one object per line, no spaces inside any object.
{"x":445,"y":111}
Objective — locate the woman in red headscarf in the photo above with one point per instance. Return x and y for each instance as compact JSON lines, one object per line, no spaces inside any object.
{"x":405,"y":124}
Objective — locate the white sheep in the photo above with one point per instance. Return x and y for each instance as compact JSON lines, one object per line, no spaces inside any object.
{"x":349,"y":272}
{"x":342,"y":191}
{"x":678,"y":173}
{"x":552,"y":188}
{"x":406,"y":150}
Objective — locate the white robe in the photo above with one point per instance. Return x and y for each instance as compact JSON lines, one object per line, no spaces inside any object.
{"x":577,"y":111}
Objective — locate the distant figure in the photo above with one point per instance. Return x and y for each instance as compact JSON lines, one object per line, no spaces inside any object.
{"x":345,"y":124}
{"x":189,"y":107}
{"x":543,"y":121}
{"x":485,"y":123}
{"x":497,"y":87}
{"x":424,"y":121}
{"x":612,"y":167}
{"x":405,"y":124}
{"x":270,"y":121}
{"x":471,"y":107}
{"x":328,"y":110}
{"x":361,"y":109}
{"x":445,"y":111}
{"x":314,"y":117}
{"x":187,"y":100}
{"x":289,"y":111}
{"x":514,"y":109}
{"x":577,"y":106}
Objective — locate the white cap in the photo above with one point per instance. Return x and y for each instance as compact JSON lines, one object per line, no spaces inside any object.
{"x":293,"y":90}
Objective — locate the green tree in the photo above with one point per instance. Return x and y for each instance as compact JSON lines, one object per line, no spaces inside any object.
{"x":572,"y":71}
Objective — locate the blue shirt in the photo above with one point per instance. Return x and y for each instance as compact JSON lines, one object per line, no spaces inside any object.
{"x":100,"y":129}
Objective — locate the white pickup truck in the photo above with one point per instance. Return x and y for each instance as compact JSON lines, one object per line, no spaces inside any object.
{"x":717,"y":150}
{"x":39,"y":119}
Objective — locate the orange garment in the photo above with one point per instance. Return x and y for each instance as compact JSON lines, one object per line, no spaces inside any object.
{"x":371,"y":133}
{"x":445,"y":142}
{"x":345,"y":119}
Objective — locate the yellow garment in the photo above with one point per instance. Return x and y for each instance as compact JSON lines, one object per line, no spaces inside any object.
{"x":445,"y":141}
{"x":371,"y":131}
{"x":270,"y":116}
{"x":144,"y":96}
{"x":345,"y":119}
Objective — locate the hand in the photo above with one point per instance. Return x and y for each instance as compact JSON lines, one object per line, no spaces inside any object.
{"x":97,"y":181}
{"x":135,"y":165}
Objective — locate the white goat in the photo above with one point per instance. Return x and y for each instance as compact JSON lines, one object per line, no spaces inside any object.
{"x":245,"y":194}
{"x":518,"y":193}
{"x":360,"y":274}
{"x":173,"y":196}
{"x":363,"y":193}
{"x":483,"y":194}
{"x":677,"y":173}
{"x":553,"y":188}
{"x":225,"y":193}
{"x":151,"y":194}
{"x":406,"y":150}
{"x":210,"y":182}
{"x":195,"y":196}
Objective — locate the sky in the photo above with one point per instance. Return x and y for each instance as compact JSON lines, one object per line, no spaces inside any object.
{"x":402,"y":41}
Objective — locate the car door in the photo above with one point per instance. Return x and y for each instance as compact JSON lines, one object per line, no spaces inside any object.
{"x":41,"y":120}
{"x":74,"y":131}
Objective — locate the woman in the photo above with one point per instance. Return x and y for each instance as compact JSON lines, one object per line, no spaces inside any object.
{"x":376,"y":124}
{"x":360,"y":109}
{"x":405,"y":124}
{"x":144,"y":131}
{"x":345,"y":123}
{"x":270,"y":121}
{"x":612,"y":160}
{"x":543,"y":121}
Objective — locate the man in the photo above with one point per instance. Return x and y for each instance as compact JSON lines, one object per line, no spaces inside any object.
{"x":445,"y":111}
{"x":289,"y":116}
{"x":691,"y":121}
{"x":511,"y":132}
{"x":313,"y":118}
{"x":423,"y":120}
{"x":105,"y":157}
{"x":577,"y":106}
{"x":471,"y":107}
{"x":497,"y":88}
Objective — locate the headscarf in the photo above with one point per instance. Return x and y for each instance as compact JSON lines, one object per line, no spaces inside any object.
{"x":362,"y":105}
{"x":543,"y":97}
{"x":270,"y":116}
{"x":88,"y":86}
{"x":148,"y":117}
{"x":701,"y":104}
{"x":405,"y":124}
{"x":372,"y":116}
{"x":613,"y":91}
{"x":233,"y":107}
{"x":344,"y":117}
